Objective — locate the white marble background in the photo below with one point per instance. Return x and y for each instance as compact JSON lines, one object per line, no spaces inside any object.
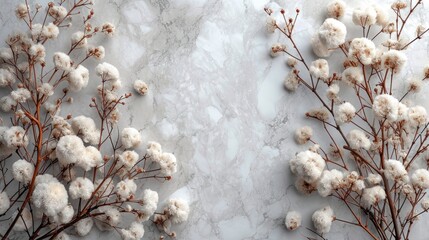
{"x":216,"y":100}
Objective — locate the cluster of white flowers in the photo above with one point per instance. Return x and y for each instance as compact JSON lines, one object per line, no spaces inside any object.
{"x":177,"y":210}
{"x":293,"y":220}
{"x":373,"y":195}
{"x":150,"y":204}
{"x":322,"y":219}
{"x":344,"y":113}
{"x":50,"y":196}
{"x":358,"y":140}
{"x":320,"y":69}
{"x":130,"y":138}
{"x":81,"y":188}
{"x":303,"y":134}
{"x":307,"y":165}
{"x":85,"y":128}
{"x":363,"y":50}
{"x":140,"y":87}
{"x":167,"y":161}
{"x":22,"y":171}
{"x":135,"y":232}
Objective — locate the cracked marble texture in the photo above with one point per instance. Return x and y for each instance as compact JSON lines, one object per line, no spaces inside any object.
{"x":216,"y":100}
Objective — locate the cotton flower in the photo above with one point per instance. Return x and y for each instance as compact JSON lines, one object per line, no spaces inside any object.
{"x":78,"y":78}
{"x":319,"y":48}
{"x":414,"y":85}
{"x":50,"y":197}
{"x":319,"y":113}
{"x":330,"y":181}
{"x":386,"y":106}
{"x":25,"y":220}
{"x":352,"y":76}
{"x":65,"y":216}
{"x":46,"y":89}
{"x":69,"y":149}
{"x":304,"y":187}
{"x":22,"y":11}
{"x":336,"y":9}
{"x":291,"y":81}
{"x":303,"y":134}
{"x":277,"y":49}
{"x":57,"y":12}
{"x":425,"y":204}
{"x":125,"y":189}
{"x":320,"y":69}
{"x":363,"y":50}
{"x":97,"y":52}
{"x":4,"y":202}
{"x":154,"y":151}
{"x":357,"y":140}
{"x":364,"y":16}
{"x":38,"y":53}
{"x":15,"y":137}
{"x":374,"y":179}
{"x":135,"y":232}
{"x":81,"y":188}
{"x":79,"y":40}
{"x":85,"y":128}
{"x":373,"y":195}
{"x":108,"y":29}
{"x":128,"y":159}
{"x":6,"y":78}
{"x":7,"y":103}
{"x":140,"y":87}
{"x":150,"y":203}
{"x":322,"y":219}
{"x":178,"y":210}
{"x":6,"y":54}
{"x":417,"y":116}
{"x":271,"y":24}
{"x":109,"y":218}
{"x":45,"y":178}
{"x":62,"y":61}
{"x":332,"y":92}
{"x":420,"y":179}
{"x":22,"y":171}
{"x":50,"y":31}
{"x":332,"y":33}
{"x":393,"y":60}
{"x":307,"y":165}
{"x":293,"y":220}
{"x":84,"y":226}
{"x":382,"y":16}
{"x":396,"y":171}
{"x":130,"y":138}
{"x":344,"y":113}
{"x":168,"y":164}
{"x":20,"y":95}
{"x":91,"y":158}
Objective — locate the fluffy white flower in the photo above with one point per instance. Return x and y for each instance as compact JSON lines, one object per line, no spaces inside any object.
{"x":50,"y":197}
{"x":178,"y":210}
{"x":386,"y":106}
{"x":38,"y":52}
{"x":320,"y":69}
{"x":322,"y":219}
{"x":420,"y":178}
{"x":69,"y":149}
{"x":7,"y":103}
{"x":84,"y":226}
{"x":373,"y":195}
{"x":92,"y":158}
{"x":320,"y":113}
{"x":364,"y":16}
{"x":50,"y":31}
{"x":57,"y":12}
{"x":81,"y":188}
{"x":20,"y":95}
{"x":108,"y":29}
{"x":303,"y":134}
{"x":293,"y":220}
{"x":6,"y":54}
{"x":332,"y":33}
{"x":425,"y":204}
{"x":277,"y":49}
{"x":46,"y":89}
{"x":25,"y":221}
{"x":417,"y":116}
{"x":4,"y":202}
{"x":125,"y":189}
{"x":374,"y":179}
{"x":128,"y":159}
{"x":271,"y":24}
{"x":109,"y":218}
{"x":107,"y":71}
{"x":344,"y":113}
{"x":65,"y":216}
{"x":336,"y":9}
{"x":14,"y":137}
{"x":97,"y":52}
{"x":22,"y":171}
{"x":22,"y":10}
{"x":357,"y":140}
{"x":62,"y":61}
{"x":45,"y":178}
{"x":330,"y":180}
{"x":130,"y":138}
{"x":140,"y":87}
{"x":154,"y":151}
{"x":78,"y":78}
{"x":85,"y":128}
{"x":332,"y":92}
{"x":150,"y":204}
{"x":304,"y":187}
{"x":79,"y":40}
{"x":135,"y":232}
{"x":414,"y":85}
{"x":382,"y":15}
{"x":352,"y":76}
{"x":363,"y":50}
{"x":319,"y":48}
{"x":307,"y":165}
{"x":393,"y":60}
{"x":168,"y":164}
{"x":6,"y":78}
{"x":291,"y":81}
{"x":396,"y":171}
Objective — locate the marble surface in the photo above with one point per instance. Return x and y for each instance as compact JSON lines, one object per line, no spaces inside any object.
{"x":216,"y":100}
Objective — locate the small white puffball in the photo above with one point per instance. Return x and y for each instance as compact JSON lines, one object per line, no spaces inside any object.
{"x":109,"y":218}
{"x":336,"y":9}
{"x":319,"y":48}
{"x":14,"y":137}
{"x":393,"y":60}
{"x":352,"y":76}
{"x":425,"y":204}
{"x":320,"y":69}
{"x":271,"y":24}
{"x":130,"y":138}
{"x":128,"y":159}
{"x":78,"y":78}
{"x":332,"y":33}
{"x":344,"y":113}
{"x":7,"y":103}
{"x":84,"y":226}
{"x":21,"y":10}
{"x":135,"y":232}
{"x":291,"y":62}
{"x":140,"y":87}
{"x":303,"y":134}
{"x":46,"y":89}
{"x":107,"y":71}
{"x":57,"y":12}
{"x":38,"y":53}
{"x":45,"y":178}
{"x":154,"y":151}
{"x":417,"y":116}
{"x":150,"y":204}
{"x":386,"y":106}
{"x":304,"y":187}
{"x":358,"y":186}
{"x":168,"y":164}
{"x":382,"y":15}
{"x":307,"y":165}
{"x":373,"y":195}
{"x":50,"y":31}
{"x":414,"y":85}
{"x":50,"y":197}
{"x":291,"y":81}
{"x":92,"y":158}
{"x":62,"y":61}
{"x":322,"y":219}
{"x":85,"y":128}
{"x":420,"y":179}
{"x":108,"y":29}
{"x":320,"y":113}
{"x":22,"y":171}
{"x":69,"y":149}
{"x":277,"y":49}
{"x":78,"y":40}
{"x":178,"y":210}
{"x":330,"y":180}
{"x":6,"y":54}
{"x":20,"y":95}
{"x":293,"y":220}
{"x":65,"y":216}
{"x":81,"y":188}
{"x":374,"y":179}
{"x":25,"y":221}
{"x":364,"y":16}
{"x":332,"y":92}
{"x":125,"y":189}
{"x":6,"y":78}
{"x":4,"y":202}
{"x":357,"y":140}
{"x":363,"y":50}
{"x":396,"y":171}
{"x":97,"y":52}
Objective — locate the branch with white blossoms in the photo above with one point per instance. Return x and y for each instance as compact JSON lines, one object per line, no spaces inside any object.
{"x":372,"y":153}
{"x":62,"y":174}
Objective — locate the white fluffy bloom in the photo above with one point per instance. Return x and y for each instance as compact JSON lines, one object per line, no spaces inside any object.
{"x":352,"y":76}
{"x":320,"y":69}
{"x":108,"y":29}
{"x":332,"y":33}
{"x":332,"y":92}
{"x":417,"y":116}
{"x":178,"y":210}
{"x":84,"y":226}
{"x":363,"y":50}
{"x":7,"y":103}
{"x":382,"y":15}
{"x":319,"y":48}
{"x":396,"y":171}
{"x":322,"y":219}
{"x":168,"y":164}
{"x":85,"y":128}
{"x":81,"y":188}
{"x":344,"y":113}
{"x":393,"y":60}
{"x":303,"y":134}
{"x":4,"y":202}
{"x":62,"y":61}
{"x":6,"y":78}
{"x":364,"y":16}
{"x":304,"y":187}
{"x":128,"y":159}
{"x":78,"y":78}
{"x":330,"y":180}
{"x":46,"y":89}
{"x":38,"y":52}
{"x":414,"y":85}
{"x":14,"y":137}
{"x":45,"y":178}
{"x":135,"y":232}
{"x":22,"y":10}
{"x":150,"y":204}
{"x":69,"y":149}
{"x":50,"y":197}
{"x":357,"y":140}
{"x":140,"y":87}
{"x":65,"y":216}
{"x":154,"y":151}
{"x":291,"y":81}
{"x":97,"y":52}
{"x":373,"y":195}
{"x":6,"y":54}
{"x":25,"y":221}
{"x":109,"y":218}
{"x":125,"y":189}
{"x":20,"y":95}
{"x":420,"y":178}
{"x":107,"y":71}
{"x":277,"y":49}
{"x":374,"y":179}
{"x":92,"y":158}
{"x":336,"y":9}
{"x":50,"y":31}
{"x":386,"y":106}
{"x":425,"y":204}
{"x":57,"y":12}
{"x":79,"y":40}
{"x":271,"y":24}
{"x":130,"y":137}
{"x":22,"y":171}
{"x":293,"y":220}
{"x":307,"y":165}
